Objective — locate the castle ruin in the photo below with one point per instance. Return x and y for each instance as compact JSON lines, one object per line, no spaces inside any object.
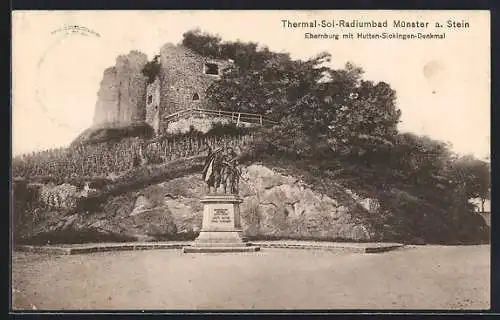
{"x":122,"y":93}
{"x":126,"y":97}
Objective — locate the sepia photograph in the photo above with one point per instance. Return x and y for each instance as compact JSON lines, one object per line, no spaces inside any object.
{"x":212,"y":160}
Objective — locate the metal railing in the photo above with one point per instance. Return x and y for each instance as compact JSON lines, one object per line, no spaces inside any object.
{"x":238,"y":117}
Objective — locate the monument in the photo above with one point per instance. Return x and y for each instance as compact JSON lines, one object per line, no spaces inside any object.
{"x":221,"y":227}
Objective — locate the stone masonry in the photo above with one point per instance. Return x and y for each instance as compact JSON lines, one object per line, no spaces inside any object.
{"x":125,"y":97}
{"x":184,"y":78}
{"x":122,"y":95}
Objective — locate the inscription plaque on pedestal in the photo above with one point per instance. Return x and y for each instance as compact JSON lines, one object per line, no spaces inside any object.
{"x":221,"y":216}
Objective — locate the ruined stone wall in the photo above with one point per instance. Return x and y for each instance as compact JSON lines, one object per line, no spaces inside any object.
{"x":122,"y":94}
{"x":125,"y":97}
{"x":153,"y":104}
{"x":184,"y":79}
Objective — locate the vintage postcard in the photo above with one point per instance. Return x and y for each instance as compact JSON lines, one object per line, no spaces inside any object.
{"x":250,"y":160}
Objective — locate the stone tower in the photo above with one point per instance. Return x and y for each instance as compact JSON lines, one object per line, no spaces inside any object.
{"x":181,"y":84}
{"x":153,"y":104}
{"x":121,"y":97}
{"x":125,"y":97}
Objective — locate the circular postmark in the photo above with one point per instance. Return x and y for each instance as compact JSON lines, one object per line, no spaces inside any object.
{"x":75,"y":29}
{"x":57,"y":85}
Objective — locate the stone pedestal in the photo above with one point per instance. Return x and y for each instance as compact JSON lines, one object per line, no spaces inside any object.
{"x":221,"y":228}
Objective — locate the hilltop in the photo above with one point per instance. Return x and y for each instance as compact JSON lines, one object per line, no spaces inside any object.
{"x":331,"y":164}
{"x":282,"y":199}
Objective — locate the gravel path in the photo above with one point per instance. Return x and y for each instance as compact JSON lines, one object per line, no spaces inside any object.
{"x":423,"y":277}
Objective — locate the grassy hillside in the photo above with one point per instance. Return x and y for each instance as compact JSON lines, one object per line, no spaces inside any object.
{"x":333,"y":166}
{"x":105,"y":215}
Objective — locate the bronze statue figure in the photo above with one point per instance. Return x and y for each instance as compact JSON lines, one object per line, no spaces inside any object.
{"x":231,"y":173}
{"x":212,"y":169}
{"x":221,"y":168}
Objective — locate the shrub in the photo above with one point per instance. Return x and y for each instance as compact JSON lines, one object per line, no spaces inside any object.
{"x":152,"y":69}
{"x":114,"y":133}
{"x":220,"y":129}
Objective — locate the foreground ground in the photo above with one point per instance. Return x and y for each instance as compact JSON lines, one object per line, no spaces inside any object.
{"x":420,"y":277}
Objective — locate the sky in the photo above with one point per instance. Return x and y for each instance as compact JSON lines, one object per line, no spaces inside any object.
{"x":442,"y":85}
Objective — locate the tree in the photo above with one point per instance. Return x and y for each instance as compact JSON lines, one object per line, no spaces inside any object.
{"x":311,"y":101}
{"x":363,"y":116}
{"x":475,"y":175}
{"x":203,"y":43}
{"x":151,"y":69}
{"x":335,"y":106}
{"x":336,"y":119}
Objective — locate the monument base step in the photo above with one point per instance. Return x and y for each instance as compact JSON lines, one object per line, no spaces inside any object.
{"x":220,"y":244}
{"x":219,"y":249}
{"x":220,"y":237}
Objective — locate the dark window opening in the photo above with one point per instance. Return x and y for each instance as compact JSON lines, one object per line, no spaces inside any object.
{"x":286,"y":213}
{"x":150,"y":99}
{"x":196,"y":96}
{"x":211,"y":68}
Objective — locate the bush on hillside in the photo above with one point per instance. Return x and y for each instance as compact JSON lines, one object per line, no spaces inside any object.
{"x":220,"y":129}
{"x":113,"y":133}
{"x":152,"y":69}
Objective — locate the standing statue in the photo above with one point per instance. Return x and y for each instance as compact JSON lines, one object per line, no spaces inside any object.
{"x":231,"y":172}
{"x":212,"y":169}
{"x":221,"y":168}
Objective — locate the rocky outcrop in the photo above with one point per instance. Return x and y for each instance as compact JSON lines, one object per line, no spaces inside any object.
{"x":122,"y":94}
{"x":163,"y":203}
{"x":274,"y":206}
